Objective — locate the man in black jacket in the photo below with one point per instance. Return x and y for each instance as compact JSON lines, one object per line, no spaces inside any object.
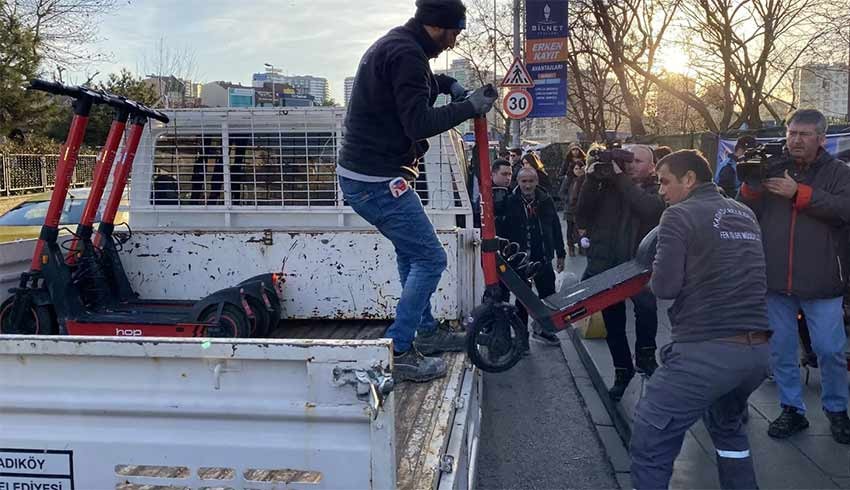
{"x":804,"y":212}
{"x":532,"y":221}
{"x":710,"y":260}
{"x":617,"y":211}
{"x":389,"y":118}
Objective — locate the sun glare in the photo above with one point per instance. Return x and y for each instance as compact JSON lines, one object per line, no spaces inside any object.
{"x":673,"y":60}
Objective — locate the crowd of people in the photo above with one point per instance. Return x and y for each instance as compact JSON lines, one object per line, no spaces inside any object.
{"x":746,"y":263}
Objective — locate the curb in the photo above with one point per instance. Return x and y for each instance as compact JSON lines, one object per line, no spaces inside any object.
{"x":615,"y":410}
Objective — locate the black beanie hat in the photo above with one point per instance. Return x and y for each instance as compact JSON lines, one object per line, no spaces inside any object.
{"x":448,"y":14}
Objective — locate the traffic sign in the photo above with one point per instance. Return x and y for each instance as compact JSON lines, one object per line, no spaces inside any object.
{"x":517,"y":76}
{"x":517,"y":104}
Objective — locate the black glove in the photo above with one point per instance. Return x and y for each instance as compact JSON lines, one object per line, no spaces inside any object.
{"x":482,"y":99}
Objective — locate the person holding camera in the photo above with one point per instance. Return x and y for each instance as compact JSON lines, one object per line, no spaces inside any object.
{"x":709,"y":259}
{"x":726,"y":176}
{"x":803,"y":207}
{"x":618,"y":205}
{"x":389,"y":119}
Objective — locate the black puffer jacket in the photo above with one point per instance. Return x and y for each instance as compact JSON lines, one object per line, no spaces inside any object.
{"x":617,"y":214}
{"x":805,"y":239}
{"x":515,"y":223}
{"x":390,"y":113}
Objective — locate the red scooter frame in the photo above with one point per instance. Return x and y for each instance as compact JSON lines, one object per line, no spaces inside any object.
{"x":493,"y":343}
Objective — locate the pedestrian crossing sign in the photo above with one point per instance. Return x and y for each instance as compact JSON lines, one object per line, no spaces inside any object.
{"x":517,"y":76}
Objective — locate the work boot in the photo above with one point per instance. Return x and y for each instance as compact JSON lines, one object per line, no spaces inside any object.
{"x":442,"y":339}
{"x":413,"y":366}
{"x":645,"y":362}
{"x":839,"y":425}
{"x":789,"y":423}
{"x":544,"y":337}
{"x":622,"y":376}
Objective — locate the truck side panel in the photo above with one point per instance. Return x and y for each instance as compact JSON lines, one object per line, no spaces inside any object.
{"x":337,"y":274}
{"x":234,"y":414}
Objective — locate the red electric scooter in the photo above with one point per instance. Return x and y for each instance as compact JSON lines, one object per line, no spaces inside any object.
{"x":492,"y":341}
{"x":87,"y":292}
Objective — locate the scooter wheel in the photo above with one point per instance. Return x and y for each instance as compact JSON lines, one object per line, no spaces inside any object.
{"x":39,"y":321}
{"x":492,"y":340}
{"x":261,"y":320}
{"x":233,"y":322}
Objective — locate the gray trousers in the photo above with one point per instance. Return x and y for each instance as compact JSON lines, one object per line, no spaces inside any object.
{"x":711,"y":380}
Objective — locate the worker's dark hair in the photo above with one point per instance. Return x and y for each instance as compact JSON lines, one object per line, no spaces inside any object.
{"x":499,"y":162}
{"x":682,"y":161}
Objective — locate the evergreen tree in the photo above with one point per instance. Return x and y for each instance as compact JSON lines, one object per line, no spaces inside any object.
{"x":19,"y":109}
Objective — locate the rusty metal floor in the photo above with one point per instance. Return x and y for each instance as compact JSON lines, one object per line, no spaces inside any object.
{"x":423,"y":410}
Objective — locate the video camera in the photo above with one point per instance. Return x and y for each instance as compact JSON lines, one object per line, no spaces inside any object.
{"x":762,"y":162}
{"x":604,"y":158}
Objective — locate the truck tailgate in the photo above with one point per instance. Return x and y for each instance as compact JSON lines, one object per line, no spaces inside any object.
{"x":97,"y":413}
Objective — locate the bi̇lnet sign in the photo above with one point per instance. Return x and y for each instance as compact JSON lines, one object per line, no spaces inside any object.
{"x":546,"y":55}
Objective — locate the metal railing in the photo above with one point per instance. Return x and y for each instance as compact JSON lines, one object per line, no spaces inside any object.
{"x":267,"y":168}
{"x":25,"y":173}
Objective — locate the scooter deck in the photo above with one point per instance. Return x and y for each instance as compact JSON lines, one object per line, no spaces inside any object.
{"x":600,"y":291}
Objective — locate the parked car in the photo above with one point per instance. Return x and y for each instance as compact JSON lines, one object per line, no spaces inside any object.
{"x":25,"y":220}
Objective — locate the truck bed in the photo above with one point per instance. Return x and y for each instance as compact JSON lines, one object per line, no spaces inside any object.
{"x":424,"y":411}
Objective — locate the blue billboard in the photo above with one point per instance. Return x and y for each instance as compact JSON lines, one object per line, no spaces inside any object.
{"x":546,"y":56}
{"x":550,"y":89}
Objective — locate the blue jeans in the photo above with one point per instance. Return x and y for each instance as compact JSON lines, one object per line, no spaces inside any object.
{"x":826,"y":327}
{"x":420,"y":256}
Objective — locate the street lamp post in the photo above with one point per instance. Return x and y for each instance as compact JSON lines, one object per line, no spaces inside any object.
{"x":271,"y":69}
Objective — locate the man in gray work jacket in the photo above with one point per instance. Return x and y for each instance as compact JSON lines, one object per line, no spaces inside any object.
{"x":709,"y":259}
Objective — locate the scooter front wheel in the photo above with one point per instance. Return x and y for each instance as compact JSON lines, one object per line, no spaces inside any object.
{"x":493,"y":343}
{"x":232,"y":323}
{"x":39,"y":320}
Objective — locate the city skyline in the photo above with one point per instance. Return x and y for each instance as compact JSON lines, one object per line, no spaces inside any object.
{"x":286,"y":35}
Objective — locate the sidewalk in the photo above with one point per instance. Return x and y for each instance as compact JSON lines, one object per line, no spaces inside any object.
{"x":807,"y":460}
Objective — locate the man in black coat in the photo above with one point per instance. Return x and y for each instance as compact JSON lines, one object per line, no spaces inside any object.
{"x":617,"y":211}
{"x":389,"y":118}
{"x":532,"y":221}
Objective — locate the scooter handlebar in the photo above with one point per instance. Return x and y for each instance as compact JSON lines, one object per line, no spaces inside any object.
{"x":154,"y":114}
{"x":57,"y":88}
{"x":97,"y":97}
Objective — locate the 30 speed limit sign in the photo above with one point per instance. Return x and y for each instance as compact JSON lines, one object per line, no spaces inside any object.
{"x":517,"y":103}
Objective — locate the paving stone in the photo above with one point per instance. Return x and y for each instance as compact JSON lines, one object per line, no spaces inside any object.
{"x":842,"y":482}
{"x":694,"y":468}
{"x":780,"y":463}
{"x":832,"y":457}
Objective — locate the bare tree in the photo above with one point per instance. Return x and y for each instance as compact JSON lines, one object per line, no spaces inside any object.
{"x":487,"y":45}
{"x":746,"y":50}
{"x":63,"y":30}
{"x":171,"y":67}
